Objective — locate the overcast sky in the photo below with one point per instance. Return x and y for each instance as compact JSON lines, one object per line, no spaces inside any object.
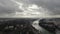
{"x":29,"y":8}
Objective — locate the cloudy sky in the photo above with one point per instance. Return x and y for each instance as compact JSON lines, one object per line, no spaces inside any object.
{"x":29,"y":8}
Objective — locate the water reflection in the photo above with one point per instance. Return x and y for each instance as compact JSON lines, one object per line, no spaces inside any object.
{"x":41,"y":30}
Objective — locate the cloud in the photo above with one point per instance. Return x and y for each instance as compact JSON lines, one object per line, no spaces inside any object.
{"x":52,"y":5}
{"x":29,"y":8}
{"x":8,"y":8}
